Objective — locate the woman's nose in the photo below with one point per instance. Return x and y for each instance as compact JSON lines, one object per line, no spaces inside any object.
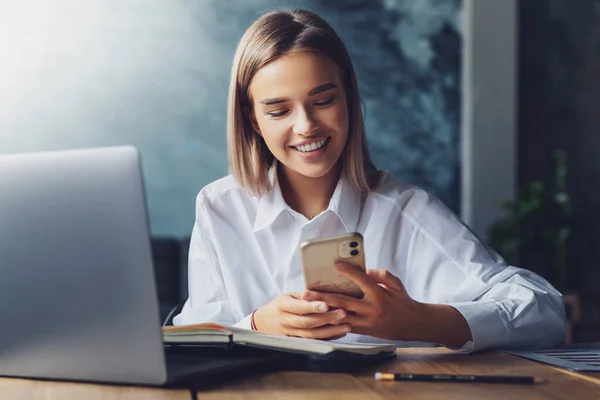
{"x":304,"y":124}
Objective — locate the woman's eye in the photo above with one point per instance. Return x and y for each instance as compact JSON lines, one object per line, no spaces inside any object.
{"x":324,"y":102}
{"x":275,"y":114}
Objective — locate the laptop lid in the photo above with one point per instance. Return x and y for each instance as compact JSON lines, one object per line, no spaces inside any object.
{"x":77,"y":291}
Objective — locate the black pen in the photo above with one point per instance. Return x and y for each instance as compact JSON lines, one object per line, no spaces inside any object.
{"x":382,"y":376}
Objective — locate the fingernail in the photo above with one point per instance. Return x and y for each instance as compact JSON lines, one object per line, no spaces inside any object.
{"x":340,"y":313}
{"x":322,"y":307}
{"x":346,"y":328}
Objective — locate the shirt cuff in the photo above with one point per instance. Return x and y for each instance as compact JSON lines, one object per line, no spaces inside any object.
{"x":487,"y":328}
{"x":244,"y":323}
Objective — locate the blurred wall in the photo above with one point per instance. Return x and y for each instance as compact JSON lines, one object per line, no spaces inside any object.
{"x":154,"y":73}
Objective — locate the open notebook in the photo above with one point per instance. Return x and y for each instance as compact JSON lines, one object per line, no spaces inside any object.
{"x":213,"y":334}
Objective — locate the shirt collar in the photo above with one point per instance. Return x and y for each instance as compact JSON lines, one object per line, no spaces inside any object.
{"x":345,"y":203}
{"x":270,"y":204}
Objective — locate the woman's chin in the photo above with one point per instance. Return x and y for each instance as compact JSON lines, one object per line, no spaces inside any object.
{"x":315,"y":171}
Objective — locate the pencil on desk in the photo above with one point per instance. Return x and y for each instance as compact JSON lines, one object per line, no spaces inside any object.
{"x":382,"y":376}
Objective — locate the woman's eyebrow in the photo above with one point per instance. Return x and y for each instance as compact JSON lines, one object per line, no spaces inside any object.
{"x":277,"y":100}
{"x":322,"y":88}
{"x":319,"y":89}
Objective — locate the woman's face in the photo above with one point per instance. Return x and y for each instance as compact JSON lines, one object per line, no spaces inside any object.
{"x":300,"y":110}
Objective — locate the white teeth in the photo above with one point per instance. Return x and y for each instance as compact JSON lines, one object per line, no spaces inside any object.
{"x":311,"y":147}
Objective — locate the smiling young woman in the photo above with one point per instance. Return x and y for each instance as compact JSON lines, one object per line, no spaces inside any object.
{"x":300,"y":170}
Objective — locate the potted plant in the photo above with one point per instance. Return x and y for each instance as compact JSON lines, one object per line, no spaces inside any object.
{"x":538,"y":226}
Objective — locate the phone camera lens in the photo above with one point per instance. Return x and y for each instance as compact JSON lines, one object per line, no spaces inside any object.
{"x":354,"y":253}
{"x":353,"y":244}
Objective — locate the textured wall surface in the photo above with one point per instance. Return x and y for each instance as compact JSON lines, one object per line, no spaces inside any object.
{"x":559,"y":107}
{"x":154,"y":73}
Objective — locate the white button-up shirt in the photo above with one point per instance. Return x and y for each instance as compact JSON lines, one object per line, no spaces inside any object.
{"x":244,"y":252}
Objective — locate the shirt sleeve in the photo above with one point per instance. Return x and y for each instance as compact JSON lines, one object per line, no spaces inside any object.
{"x":208,"y":299}
{"x":505,"y":306}
{"x":520,"y":309}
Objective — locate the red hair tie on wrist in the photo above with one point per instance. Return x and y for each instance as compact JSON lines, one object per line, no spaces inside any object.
{"x":252,"y":323}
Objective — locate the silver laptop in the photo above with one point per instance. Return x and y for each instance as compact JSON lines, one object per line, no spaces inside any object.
{"x":77,"y":293}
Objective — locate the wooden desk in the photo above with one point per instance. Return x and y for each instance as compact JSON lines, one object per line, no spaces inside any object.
{"x":301,"y":385}
{"x":21,"y":389}
{"x":310,"y":385}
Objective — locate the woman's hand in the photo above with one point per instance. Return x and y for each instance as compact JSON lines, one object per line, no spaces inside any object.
{"x":386,"y":311}
{"x":289,"y":315}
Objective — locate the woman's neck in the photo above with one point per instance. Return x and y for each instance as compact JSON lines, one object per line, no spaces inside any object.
{"x":308,"y":196}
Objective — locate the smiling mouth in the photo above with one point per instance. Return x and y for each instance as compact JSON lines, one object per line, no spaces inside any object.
{"x":307,"y":148}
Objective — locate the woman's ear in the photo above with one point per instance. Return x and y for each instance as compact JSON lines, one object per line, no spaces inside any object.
{"x":252,"y":118}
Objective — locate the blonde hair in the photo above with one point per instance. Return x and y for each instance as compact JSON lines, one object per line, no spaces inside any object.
{"x":274,"y":35}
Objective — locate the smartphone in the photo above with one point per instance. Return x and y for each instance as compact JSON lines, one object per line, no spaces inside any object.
{"x":318,"y":262}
